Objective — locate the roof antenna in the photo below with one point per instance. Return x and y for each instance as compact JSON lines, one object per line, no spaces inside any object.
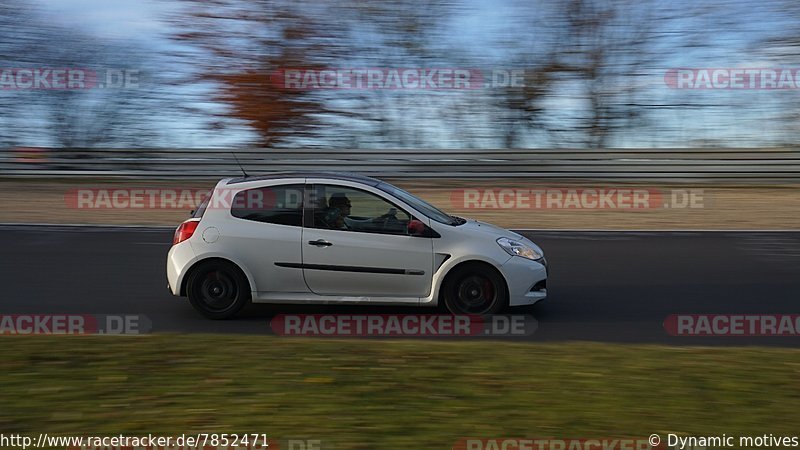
{"x":240,"y":164}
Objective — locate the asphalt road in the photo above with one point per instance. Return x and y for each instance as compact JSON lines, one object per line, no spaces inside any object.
{"x":604,"y":286}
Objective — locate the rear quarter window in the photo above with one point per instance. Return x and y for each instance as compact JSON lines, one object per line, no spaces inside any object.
{"x":280,"y":205}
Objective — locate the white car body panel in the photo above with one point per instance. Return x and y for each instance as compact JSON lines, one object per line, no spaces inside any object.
{"x":411,"y":258}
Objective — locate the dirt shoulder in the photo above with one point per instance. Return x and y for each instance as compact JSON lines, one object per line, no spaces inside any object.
{"x":534,"y":204}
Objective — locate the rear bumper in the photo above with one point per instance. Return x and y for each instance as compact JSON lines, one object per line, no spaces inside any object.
{"x":178,"y":260}
{"x":526,"y":279}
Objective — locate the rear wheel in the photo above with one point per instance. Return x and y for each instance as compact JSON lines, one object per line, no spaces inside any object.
{"x":218,"y":290}
{"x":475,"y":289}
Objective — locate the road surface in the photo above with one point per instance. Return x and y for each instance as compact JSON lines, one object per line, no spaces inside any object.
{"x":604,"y":286}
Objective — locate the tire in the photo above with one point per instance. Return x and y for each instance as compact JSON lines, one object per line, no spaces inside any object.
{"x":217,"y":289}
{"x":475,"y":288}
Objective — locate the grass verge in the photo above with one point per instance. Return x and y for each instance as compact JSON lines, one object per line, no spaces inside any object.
{"x":370,"y":394}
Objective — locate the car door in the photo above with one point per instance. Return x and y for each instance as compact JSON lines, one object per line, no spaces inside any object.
{"x":357,"y":243}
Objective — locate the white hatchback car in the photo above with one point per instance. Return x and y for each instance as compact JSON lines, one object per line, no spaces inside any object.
{"x":343,"y":238}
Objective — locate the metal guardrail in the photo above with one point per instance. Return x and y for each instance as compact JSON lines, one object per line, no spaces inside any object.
{"x":774,"y":164}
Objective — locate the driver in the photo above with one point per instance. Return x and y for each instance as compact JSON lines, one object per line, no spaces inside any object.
{"x":338,"y":208}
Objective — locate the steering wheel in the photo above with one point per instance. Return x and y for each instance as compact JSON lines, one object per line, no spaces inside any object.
{"x":387,"y":220}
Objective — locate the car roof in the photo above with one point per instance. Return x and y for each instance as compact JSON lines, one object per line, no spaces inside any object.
{"x":344,"y":176}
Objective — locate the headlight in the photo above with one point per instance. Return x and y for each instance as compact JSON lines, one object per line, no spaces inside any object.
{"x":516,"y":248}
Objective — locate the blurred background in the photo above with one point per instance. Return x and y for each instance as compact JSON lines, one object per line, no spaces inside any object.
{"x":203,"y":73}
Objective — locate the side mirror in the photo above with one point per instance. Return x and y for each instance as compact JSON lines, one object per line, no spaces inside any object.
{"x":418,"y":229}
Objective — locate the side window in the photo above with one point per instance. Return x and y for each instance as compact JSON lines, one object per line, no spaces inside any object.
{"x":281,"y":205}
{"x":348,"y":209}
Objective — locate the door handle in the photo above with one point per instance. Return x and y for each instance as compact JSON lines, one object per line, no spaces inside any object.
{"x":320,"y":243}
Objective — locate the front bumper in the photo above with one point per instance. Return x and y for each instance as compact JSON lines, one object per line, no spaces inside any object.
{"x":526,"y":279}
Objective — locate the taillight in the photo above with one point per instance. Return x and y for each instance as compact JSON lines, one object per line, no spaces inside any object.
{"x":185,"y":231}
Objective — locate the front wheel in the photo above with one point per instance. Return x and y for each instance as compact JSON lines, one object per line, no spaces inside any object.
{"x":475,"y":289}
{"x":217,"y":290}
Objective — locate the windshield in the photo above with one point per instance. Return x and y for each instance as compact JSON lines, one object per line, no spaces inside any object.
{"x":420,"y":205}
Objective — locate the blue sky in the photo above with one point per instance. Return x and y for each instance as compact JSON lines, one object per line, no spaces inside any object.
{"x":112,"y":19}
{"x":727,"y":36}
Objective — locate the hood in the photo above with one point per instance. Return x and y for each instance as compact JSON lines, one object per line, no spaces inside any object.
{"x":478,"y":227}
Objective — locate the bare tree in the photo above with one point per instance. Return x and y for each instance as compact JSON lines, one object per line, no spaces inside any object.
{"x":90,"y":117}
